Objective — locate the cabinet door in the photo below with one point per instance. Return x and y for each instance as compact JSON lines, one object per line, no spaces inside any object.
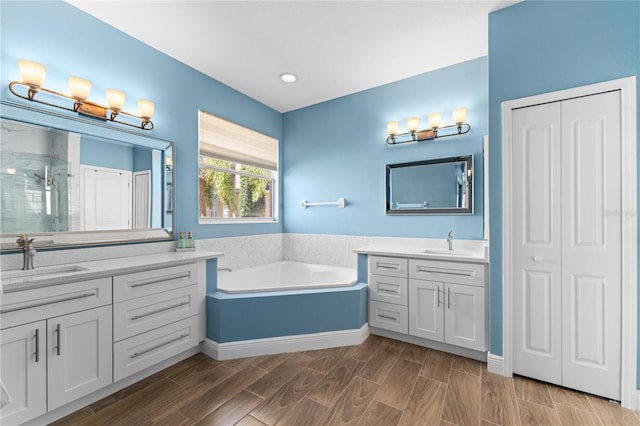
{"x":426,"y":303}
{"x":23,"y":369}
{"x":79,"y":354}
{"x":465,"y":316}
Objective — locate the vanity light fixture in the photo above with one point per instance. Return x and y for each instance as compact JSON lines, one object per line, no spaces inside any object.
{"x":33,"y":74}
{"x":435,"y":130}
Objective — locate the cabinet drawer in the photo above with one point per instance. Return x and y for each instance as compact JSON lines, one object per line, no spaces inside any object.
{"x":144,"y":350}
{"x":389,"y":266}
{"x":451,"y":272}
{"x":136,"y":316}
{"x":37,"y":304}
{"x":388,"y":289}
{"x":140,"y":284}
{"x":388,"y":316}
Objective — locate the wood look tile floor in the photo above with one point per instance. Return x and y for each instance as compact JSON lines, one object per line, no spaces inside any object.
{"x":380,"y":382}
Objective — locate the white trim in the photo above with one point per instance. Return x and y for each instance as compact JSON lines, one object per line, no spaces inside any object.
{"x":284,"y":344}
{"x":485,"y":184}
{"x":627,"y":86}
{"x":495,"y":364}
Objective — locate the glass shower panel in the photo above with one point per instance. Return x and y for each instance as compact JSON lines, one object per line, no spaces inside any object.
{"x":34,"y":193}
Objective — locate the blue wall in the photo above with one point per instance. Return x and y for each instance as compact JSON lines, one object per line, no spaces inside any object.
{"x":538,"y":47}
{"x":70,"y":42}
{"x":98,"y":154}
{"x":337,"y":149}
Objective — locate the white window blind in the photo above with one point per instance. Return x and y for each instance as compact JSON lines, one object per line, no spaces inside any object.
{"x":228,"y":141}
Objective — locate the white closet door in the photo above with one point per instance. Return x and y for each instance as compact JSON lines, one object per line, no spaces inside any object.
{"x":537,"y":249}
{"x":591,"y":244}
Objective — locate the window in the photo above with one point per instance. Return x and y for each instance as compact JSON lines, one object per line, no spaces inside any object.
{"x":238,"y":171}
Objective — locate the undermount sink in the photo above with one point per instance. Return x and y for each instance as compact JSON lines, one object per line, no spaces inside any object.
{"x":447,"y":252}
{"x":49,"y":270}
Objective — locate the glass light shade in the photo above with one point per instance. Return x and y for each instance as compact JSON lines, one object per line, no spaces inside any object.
{"x":79,"y":87}
{"x":392,"y":128}
{"x":115,"y":99}
{"x":413,"y":124}
{"x":146,"y":108}
{"x":459,"y":115}
{"x":32,"y":73}
{"x":434,"y":120}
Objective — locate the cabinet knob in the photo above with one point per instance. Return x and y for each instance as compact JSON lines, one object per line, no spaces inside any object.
{"x":537,"y":259}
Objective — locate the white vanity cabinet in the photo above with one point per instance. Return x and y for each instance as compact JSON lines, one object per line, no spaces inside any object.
{"x":447,"y":302}
{"x":56,"y":346}
{"x":439,"y":300}
{"x":388,"y":293}
{"x":157,"y":314}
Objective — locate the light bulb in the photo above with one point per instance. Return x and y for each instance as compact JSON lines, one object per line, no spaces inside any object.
{"x":115,"y":99}
{"x":413,"y":124}
{"x":434,"y":120}
{"x":392,"y":128}
{"x":146,"y":108}
{"x":459,"y":115}
{"x":79,"y":87}
{"x":32,"y":73}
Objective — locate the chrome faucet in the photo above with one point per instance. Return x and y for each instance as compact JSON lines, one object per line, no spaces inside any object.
{"x":28,"y":251}
{"x":450,"y":240}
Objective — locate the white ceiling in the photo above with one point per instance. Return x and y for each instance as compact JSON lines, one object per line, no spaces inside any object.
{"x":335,"y":47}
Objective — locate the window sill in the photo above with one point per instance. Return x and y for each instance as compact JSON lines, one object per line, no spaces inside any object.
{"x":214,"y":221}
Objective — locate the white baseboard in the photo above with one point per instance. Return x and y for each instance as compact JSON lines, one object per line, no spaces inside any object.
{"x":278,"y":345}
{"x":495,"y":364}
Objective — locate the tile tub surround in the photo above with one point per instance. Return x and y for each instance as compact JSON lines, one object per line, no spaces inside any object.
{"x":246,"y":251}
{"x":340,"y":250}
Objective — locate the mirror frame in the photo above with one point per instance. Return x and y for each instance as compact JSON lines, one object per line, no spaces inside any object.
{"x":98,"y":129}
{"x":468,"y":159}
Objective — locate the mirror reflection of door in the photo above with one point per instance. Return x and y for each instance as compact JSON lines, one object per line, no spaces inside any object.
{"x":107,"y":196}
{"x":141,"y":199}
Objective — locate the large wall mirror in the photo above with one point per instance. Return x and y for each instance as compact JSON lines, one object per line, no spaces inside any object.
{"x":438,"y":186}
{"x":85,"y":186}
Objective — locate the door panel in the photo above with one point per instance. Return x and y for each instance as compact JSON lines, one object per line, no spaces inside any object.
{"x":23,"y":374}
{"x":83,"y":363}
{"x":465,"y":316}
{"x":592,"y":244}
{"x":426,"y":304}
{"x":536,"y":242}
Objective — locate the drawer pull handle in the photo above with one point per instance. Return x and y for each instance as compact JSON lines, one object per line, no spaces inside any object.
{"x":157,"y":311}
{"x":449,"y":298}
{"x":66,"y":299}
{"x":386,"y":290}
{"x":461,"y":274}
{"x":389,"y":266}
{"x":161,"y":280}
{"x":387,"y":317}
{"x":137,"y":354}
{"x":37,"y":336}
{"x":57,"y":331}
{"x":438,"y":290}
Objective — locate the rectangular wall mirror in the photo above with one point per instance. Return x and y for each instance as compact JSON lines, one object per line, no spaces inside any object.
{"x":70,"y":188}
{"x":438,"y":186}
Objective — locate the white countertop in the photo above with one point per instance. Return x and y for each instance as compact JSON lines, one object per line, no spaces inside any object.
{"x":14,"y":280}
{"x":466,"y":254}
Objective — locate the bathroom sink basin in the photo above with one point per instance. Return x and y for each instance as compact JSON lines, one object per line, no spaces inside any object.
{"x":446,"y":252}
{"x":39,"y":272}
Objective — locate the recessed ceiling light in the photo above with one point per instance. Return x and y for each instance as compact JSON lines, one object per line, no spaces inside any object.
{"x":288,"y":77}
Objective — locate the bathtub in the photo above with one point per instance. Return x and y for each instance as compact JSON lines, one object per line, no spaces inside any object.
{"x":284,"y":276}
{"x":282,"y":300}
